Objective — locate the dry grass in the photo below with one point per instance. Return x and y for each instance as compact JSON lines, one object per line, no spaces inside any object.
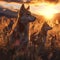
{"x":35,"y":27}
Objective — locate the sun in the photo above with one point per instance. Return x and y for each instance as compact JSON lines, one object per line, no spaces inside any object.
{"x":45,"y":9}
{"x":48,"y":12}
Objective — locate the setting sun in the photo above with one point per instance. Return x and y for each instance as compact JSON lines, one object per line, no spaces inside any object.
{"x":46,"y":9}
{"x":49,"y":12}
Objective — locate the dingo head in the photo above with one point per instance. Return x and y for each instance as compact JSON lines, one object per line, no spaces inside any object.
{"x":25,"y":15}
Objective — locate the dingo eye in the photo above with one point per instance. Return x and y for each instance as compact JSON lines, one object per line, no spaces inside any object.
{"x":28,"y":13}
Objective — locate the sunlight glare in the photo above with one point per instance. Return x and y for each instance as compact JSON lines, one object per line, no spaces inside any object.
{"x":48,"y":11}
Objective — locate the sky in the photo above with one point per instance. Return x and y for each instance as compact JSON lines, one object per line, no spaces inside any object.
{"x":37,"y":8}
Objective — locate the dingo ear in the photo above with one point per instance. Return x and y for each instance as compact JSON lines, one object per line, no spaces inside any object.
{"x":28,"y":7}
{"x":22,"y":9}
